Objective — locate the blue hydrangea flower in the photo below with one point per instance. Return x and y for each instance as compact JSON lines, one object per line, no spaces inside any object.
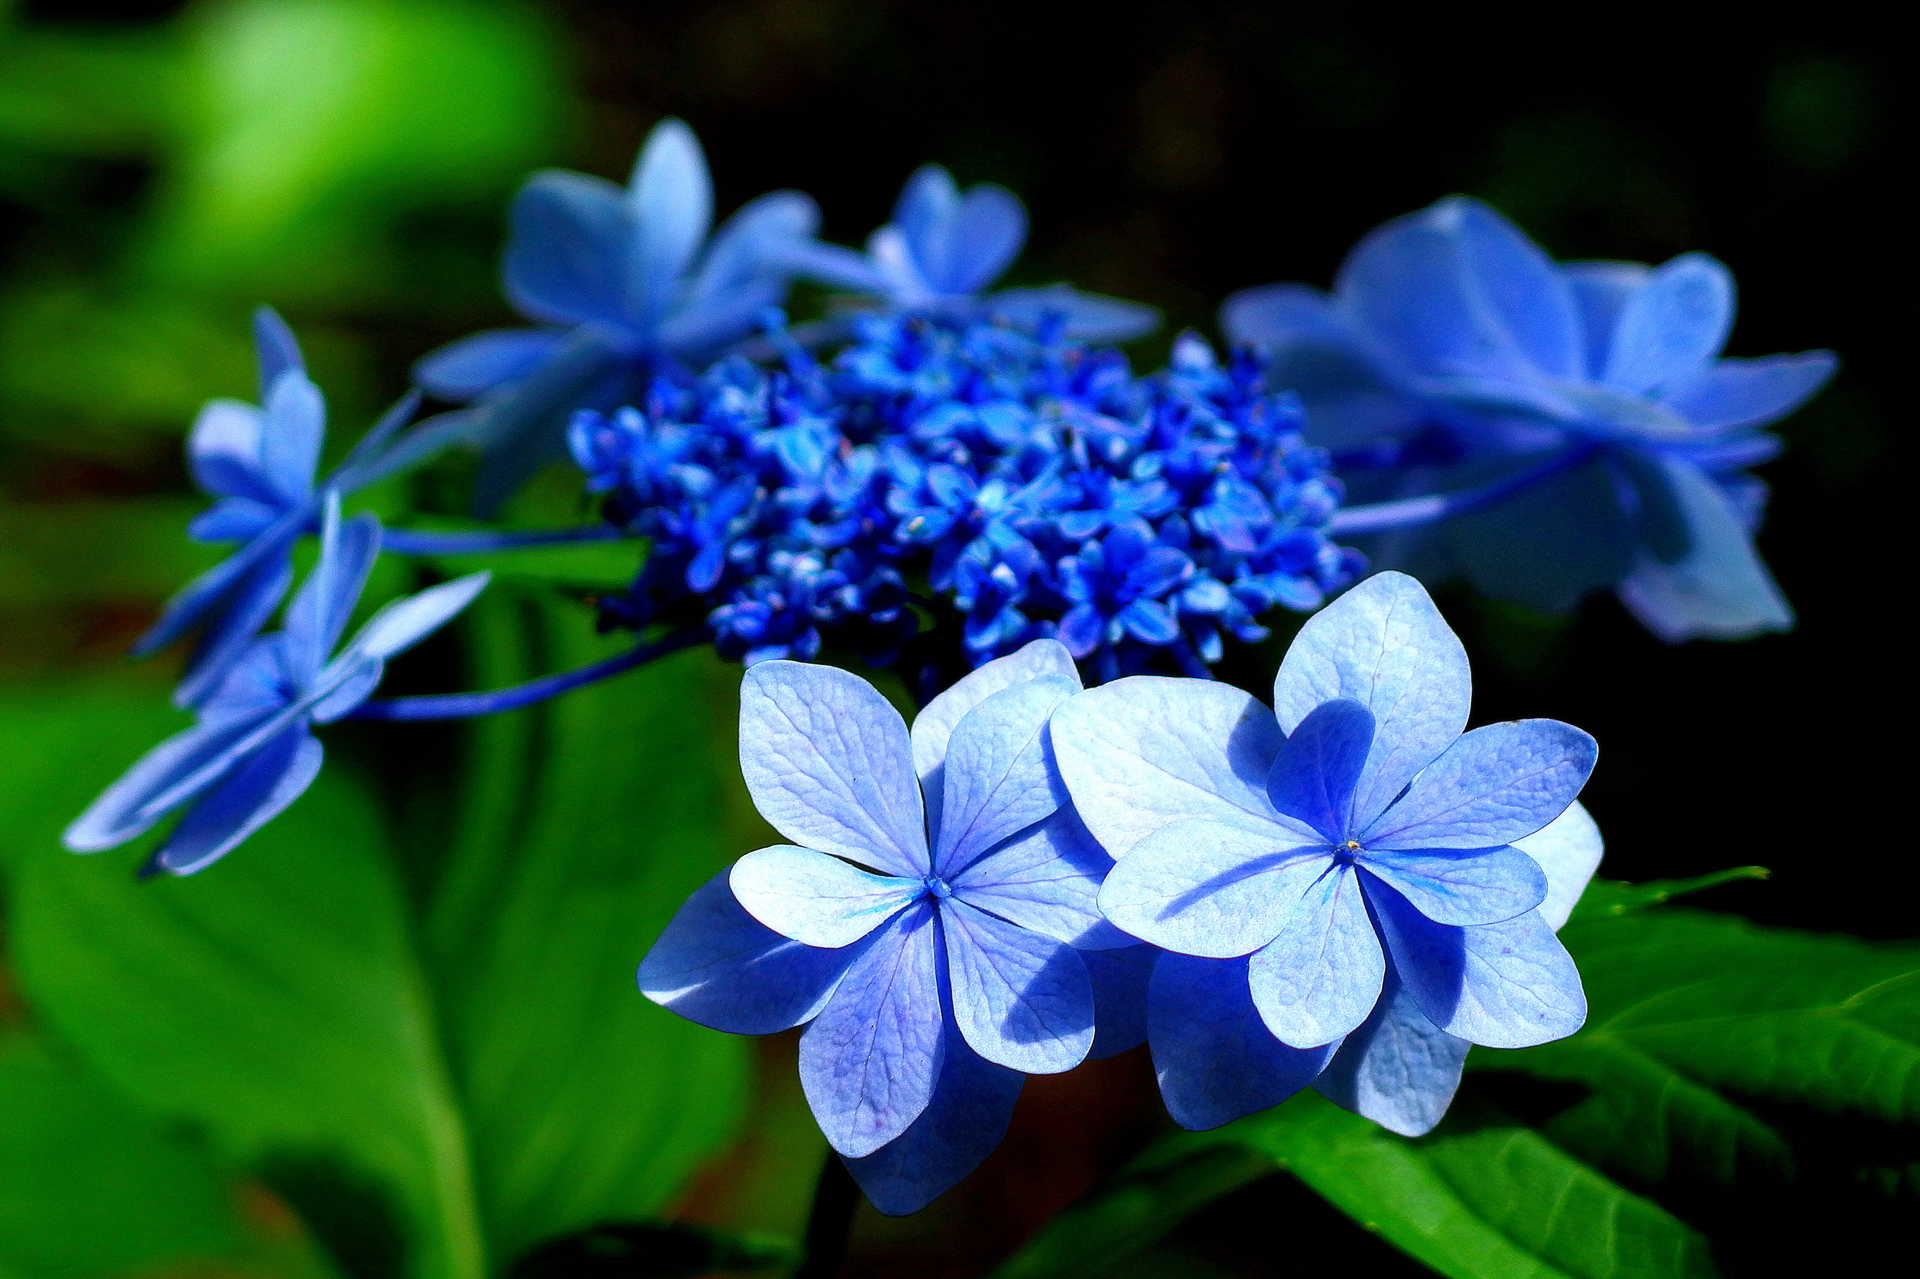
{"x":1342,"y":862}
{"x":927,"y":925}
{"x":620,"y":280}
{"x":945,"y":246}
{"x":1576,"y":417}
{"x":259,"y":465}
{"x":253,"y":752}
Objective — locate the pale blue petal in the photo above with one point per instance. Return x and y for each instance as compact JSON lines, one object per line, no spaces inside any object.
{"x":1672,"y":325}
{"x":1321,"y":976}
{"x":321,"y":607}
{"x":127,"y":807}
{"x":1477,"y":886}
{"x":1119,"y":978}
{"x":998,"y":777}
{"x":1515,"y":280}
{"x":1384,"y":645}
{"x":1398,"y":1069}
{"x":984,"y":238}
{"x":1568,"y":851}
{"x":828,"y":763}
{"x":1506,"y":985}
{"x":233,"y":617}
{"x":670,"y":198}
{"x":719,"y":966}
{"x":1313,"y":778}
{"x":405,"y":622}
{"x":1550,"y":545}
{"x":522,"y":425}
{"x":1084,"y":317}
{"x":814,"y":898}
{"x":223,"y":452}
{"x":869,"y":1060}
{"x":1047,"y":878}
{"x":1144,"y":751}
{"x":1730,"y":393}
{"x":959,"y":1128}
{"x":1600,"y":291}
{"x":833,"y":265}
{"x":233,"y":519}
{"x":463,"y":370}
{"x":1215,"y":1059}
{"x":1277,"y":315}
{"x":1022,"y":1000}
{"x":697,"y":331}
{"x":758,"y":240}
{"x":291,"y":434}
{"x":277,"y":348}
{"x":1721,"y":589}
{"x":243,"y":801}
{"x":923,"y":214}
{"x":349,"y":682}
{"x":1206,"y":888}
{"x":1407,"y":288}
{"x":563,"y":263}
{"x":1492,"y":786}
{"x":933,"y":726}
{"x":222,"y":588}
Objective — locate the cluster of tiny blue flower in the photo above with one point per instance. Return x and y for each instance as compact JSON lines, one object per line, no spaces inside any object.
{"x":1040,"y":487}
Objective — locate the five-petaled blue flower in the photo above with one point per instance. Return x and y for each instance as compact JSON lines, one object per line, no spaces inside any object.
{"x":623,"y":279}
{"x":258,"y":464}
{"x":928,"y":923}
{"x":1347,"y":868}
{"x":944,"y":247}
{"x":253,"y":751}
{"x":1576,"y":417}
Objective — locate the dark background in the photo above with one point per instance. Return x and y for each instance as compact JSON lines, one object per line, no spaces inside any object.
{"x":1174,"y":153}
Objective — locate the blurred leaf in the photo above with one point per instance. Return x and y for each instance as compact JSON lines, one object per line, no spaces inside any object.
{"x":588,"y":821}
{"x":1694,"y":1016}
{"x":90,"y":1186}
{"x":86,"y":91}
{"x":314,"y":122}
{"x":86,"y":372}
{"x":273,"y":999}
{"x":61,"y":553}
{"x":1607,"y":898}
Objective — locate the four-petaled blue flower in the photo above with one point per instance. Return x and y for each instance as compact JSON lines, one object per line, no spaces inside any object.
{"x":928,"y":923}
{"x":258,"y":464}
{"x":1348,"y":868}
{"x":1577,"y":413}
{"x":624,"y":279}
{"x":253,"y":752}
{"x":945,"y":246}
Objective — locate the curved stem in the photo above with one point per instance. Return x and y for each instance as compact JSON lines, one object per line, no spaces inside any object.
{"x":1439,"y":506}
{"x":829,"y":1221}
{"x":469,"y":705}
{"x":419,"y":542}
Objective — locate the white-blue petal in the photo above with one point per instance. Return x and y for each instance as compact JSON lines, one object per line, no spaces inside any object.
{"x":1568,"y":850}
{"x":1398,"y":1069}
{"x":934,"y":725}
{"x":869,"y":1061}
{"x":1672,"y":325}
{"x":1047,"y":878}
{"x":223,"y":452}
{"x":828,"y":763}
{"x":1319,"y":765}
{"x":1321,"y":976}
{"x":1023,"y":1000}
{"x":408,"y":620}
{"x":1750,"y":393}
{"x":1492,"y":786}
{"x":563,"y":263}
{"x":717,"y":965}
{"x":1215,"y":1059}
{"x":291,"y":432}
{"x":814,"y":898}
{"x":1720,"y":589}
{"x":1520,"y":285}
{"x":243,"y":801}
{"x":463,"y":370}
{"x":998,"y":777}
{"x":1477,"y":886}
{"x":1144,"y":751}
{"x":1206,"y":888}
{"x":1384,"y":645}
{"x":670,"y":202}
{"x":1600,"y":292}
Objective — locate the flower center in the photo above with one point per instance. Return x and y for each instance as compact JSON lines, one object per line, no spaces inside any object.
{"x":938,"y":887}
{"x":1345,"y":852}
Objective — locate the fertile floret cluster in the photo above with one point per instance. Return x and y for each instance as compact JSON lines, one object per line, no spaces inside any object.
{"x":1037,"y":488}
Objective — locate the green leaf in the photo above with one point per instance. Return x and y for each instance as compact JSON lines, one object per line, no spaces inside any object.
{"x":586,"y":822}
{"x":1482,"y":1197}
{"x":1606,"y":898}
{"x":91,"y":1186}
{"x":1695,"y":1015}
{"x":273,"y":1000}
